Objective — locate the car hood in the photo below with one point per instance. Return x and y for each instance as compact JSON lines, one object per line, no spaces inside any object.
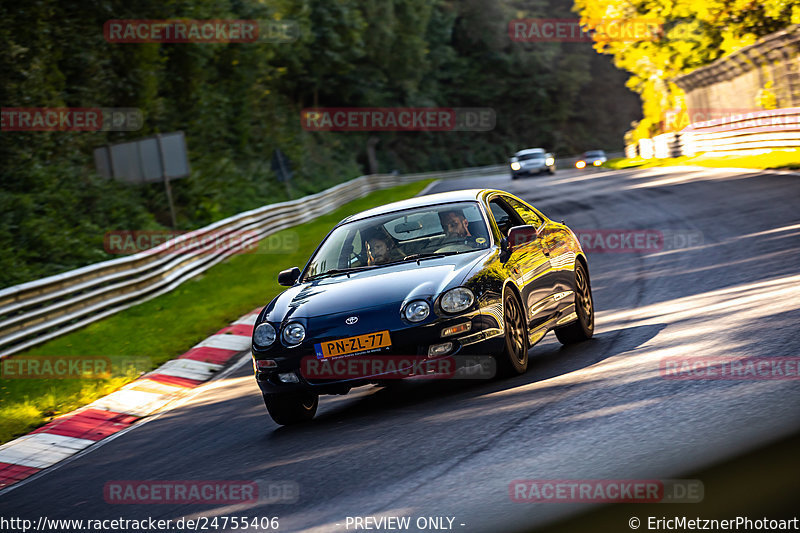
{"x":373,"y":288}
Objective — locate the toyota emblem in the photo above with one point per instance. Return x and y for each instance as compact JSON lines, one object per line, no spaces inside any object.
{"x":351,"y":320}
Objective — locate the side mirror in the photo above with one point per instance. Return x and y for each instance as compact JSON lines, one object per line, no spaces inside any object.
{"x":520,"y":235}
{"x":288,"y":277}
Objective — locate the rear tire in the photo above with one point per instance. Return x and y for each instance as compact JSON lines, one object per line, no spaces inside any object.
{"x":514,"y":358}
{"x":583,"y":328}
{"x":288,"y":409}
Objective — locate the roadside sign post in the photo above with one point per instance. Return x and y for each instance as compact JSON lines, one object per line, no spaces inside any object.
{"x":283,"y":169}
{"x":165,"y":177}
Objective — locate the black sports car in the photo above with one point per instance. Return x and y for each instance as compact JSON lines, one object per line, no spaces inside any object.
{"x":471,"y":272}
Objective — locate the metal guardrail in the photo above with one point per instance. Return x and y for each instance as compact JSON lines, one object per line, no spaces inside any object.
{"x":37,"y":311}
{"x":739,"y":133}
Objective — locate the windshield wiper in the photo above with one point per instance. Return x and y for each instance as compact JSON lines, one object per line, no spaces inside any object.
{"x":335,"y":271}
{"x":416,"y":257}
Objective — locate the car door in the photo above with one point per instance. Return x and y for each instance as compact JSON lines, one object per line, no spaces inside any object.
{"x":547,"y":301}
{"x":552,"y":239}
{"x":527,"y":263}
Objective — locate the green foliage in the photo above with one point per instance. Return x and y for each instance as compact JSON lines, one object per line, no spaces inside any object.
{"x":238,"y":102}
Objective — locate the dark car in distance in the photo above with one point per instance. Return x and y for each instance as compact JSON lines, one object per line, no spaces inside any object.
{"x":592,"y":158}
{"x":460,"y":273}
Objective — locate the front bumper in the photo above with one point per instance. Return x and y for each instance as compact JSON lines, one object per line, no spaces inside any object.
{"x":530,"y":171}
{"x":484,"y":338}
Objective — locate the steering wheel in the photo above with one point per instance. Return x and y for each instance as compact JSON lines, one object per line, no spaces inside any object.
{"x":355,"y":260}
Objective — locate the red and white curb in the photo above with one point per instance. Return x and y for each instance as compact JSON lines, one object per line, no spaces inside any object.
{"x":73,"y":432}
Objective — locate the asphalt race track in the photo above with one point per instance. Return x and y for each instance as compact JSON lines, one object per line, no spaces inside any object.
{"x":725,"y":283}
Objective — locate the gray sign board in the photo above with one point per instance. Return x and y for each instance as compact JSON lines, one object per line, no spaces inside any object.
{"x":146,"y":160}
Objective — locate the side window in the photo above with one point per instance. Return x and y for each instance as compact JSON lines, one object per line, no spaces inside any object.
{"x":505,"y":217}
{"x":528,"y":215}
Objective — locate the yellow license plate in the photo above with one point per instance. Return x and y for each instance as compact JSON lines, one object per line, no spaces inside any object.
{"x":359,"y":343}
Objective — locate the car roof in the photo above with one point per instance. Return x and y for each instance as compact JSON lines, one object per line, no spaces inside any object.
{"x":463,"y":195}
{"x":530,"y":151}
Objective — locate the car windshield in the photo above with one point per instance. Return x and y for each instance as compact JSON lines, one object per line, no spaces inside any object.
{"x":525,"y":157}
{"x":597,"y":153}
{"x":408,"y":235}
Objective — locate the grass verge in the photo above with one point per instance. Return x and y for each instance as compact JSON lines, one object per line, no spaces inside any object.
{"x":775,"y":159}
{"x":145,"y":336}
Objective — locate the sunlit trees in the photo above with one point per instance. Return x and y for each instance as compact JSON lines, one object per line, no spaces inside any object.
{"x":695,"y":33}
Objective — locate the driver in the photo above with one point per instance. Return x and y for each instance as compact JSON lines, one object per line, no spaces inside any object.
{"x":456,"y":227}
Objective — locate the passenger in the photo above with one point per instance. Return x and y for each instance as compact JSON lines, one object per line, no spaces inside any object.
{"x":382,"y":249}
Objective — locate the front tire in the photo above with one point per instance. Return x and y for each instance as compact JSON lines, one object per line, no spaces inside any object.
{"x":514,"y":358}
{"x":583,"y":328}
{"x":288,"y":409}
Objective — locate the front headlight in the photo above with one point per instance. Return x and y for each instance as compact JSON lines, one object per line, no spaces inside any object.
{"x":549,"y":161}
{"x":580,"y":164}
{"x":294,"y":333}
{"x":264,"y":335}
{"x":417,"y":311}
{"x":597,"y":162}
{"x":456,"y":300}
{"x":515,"y":166}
